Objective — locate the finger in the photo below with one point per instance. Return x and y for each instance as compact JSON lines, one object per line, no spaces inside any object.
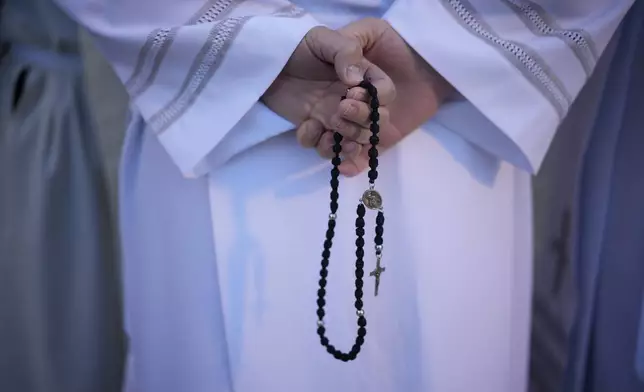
{"x":325,"y":145}
{"x":350,"y":149}
{"x":342,"y":51}
{"x":354,"y":166}
{"x":350,"y":130}
{"x":360,"y":113}
{"x":308,"y":134}
{"x":367,"y":32}
{"x":382,"y":82}
{"x":384,"y":87}
{"x":345,"y":53}
{"x":358,"y":94}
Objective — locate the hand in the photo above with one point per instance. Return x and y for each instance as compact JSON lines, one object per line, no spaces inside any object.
{"x":318,"y":73}
{"x":420,"y":91}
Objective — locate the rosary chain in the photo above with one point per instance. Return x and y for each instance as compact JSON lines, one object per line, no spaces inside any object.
{"x":360,"y":232}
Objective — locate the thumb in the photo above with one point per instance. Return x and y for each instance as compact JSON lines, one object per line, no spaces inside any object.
{"x":366,"y":31}
{"x":345,"y":53}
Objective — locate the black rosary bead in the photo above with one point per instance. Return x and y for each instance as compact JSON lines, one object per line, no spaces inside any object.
{"x":360,"y":232}
{"x":380,"y":219}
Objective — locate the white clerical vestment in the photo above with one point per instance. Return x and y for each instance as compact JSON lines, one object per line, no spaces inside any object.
{"x":221,"y":268}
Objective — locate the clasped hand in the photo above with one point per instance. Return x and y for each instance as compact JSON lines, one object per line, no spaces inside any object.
{"x":308,"y":91}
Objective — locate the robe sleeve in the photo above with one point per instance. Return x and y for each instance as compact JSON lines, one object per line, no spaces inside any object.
{"x":518,"y":64}
{"x":193,"y":68}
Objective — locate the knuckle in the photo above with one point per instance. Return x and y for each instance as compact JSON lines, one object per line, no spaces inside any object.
{"x":353,"y":45}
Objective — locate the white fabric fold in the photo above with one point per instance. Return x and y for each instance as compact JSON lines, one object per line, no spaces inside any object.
{"x":515,"y":95}
{"x":194,"y":68}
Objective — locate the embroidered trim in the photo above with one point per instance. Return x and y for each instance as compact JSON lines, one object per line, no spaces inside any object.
{"x":213,"y":12}
{"x":159,"y":41}
{"x":531,"y":65}
{"x":221,"y":37}
{"x":541,"y":23}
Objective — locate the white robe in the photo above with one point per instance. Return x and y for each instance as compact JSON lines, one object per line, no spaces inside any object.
{"x":221,"y":270}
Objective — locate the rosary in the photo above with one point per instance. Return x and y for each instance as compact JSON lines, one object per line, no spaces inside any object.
{"x":372,"y":200}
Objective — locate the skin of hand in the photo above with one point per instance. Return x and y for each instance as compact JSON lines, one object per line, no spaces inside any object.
{"x":318,"y":73}
{"x":420,"y":90}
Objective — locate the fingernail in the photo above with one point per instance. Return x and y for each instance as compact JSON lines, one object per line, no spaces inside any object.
{"x":354,"y":74}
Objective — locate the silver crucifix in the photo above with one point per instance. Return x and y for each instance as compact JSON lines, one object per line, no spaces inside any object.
{"x":377,"y":272}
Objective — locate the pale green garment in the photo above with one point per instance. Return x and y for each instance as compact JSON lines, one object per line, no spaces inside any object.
{"x":60,"y":323}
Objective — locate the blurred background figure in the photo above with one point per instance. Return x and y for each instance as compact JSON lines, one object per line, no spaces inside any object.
{"x":60,"y":318}
{"x":589,"y":228}
{"x":609,"y":248}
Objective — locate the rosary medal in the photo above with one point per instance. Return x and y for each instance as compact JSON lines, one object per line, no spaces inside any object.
{"x":371,"y":200}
